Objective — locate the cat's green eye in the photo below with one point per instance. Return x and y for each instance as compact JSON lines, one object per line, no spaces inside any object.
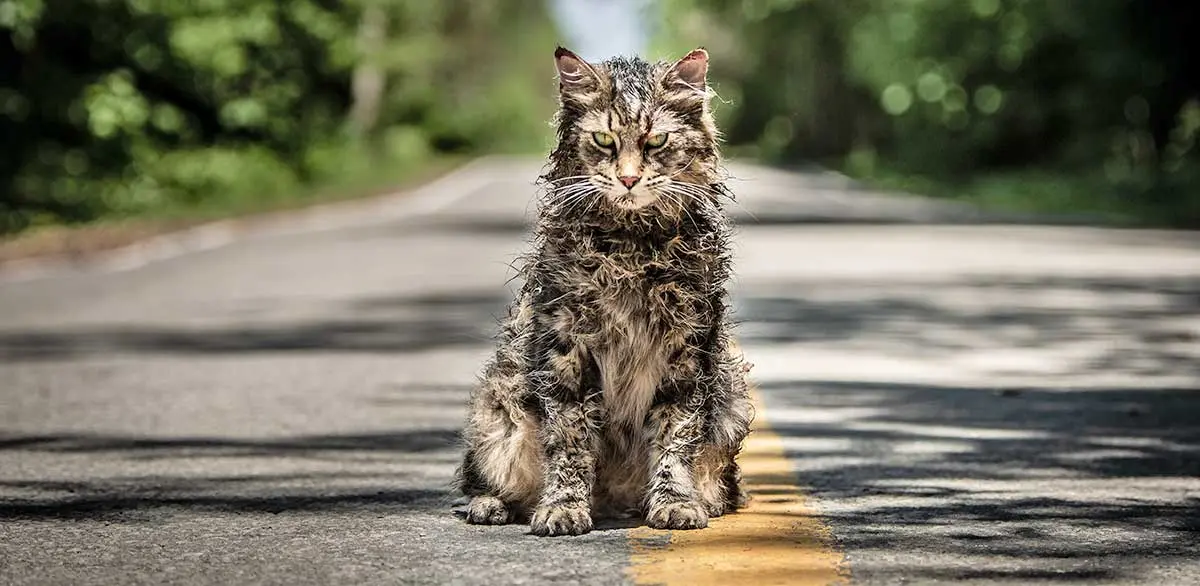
{"x":656,"y":140}
{"x":603,"y":139}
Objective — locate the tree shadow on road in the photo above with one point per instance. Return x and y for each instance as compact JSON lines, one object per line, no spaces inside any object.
{"x":1081,"y":482}
{"x":1118,"y":326}
{"x":370,"y":474}
{"x":385,"y":471}
{"x":132,"y":478}
{"x":128,"y":506}
{"x":411,"y":441}
{"x":1050,"y":481}
{"x":1101,"y":477}
{"x":455,"y":319}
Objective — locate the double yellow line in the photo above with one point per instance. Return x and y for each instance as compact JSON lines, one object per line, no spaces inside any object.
{"x":776,"y":539}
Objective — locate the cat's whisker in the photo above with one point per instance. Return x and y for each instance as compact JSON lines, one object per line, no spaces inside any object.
{"x":571,"y":196}
{"x":568,"y":178}
{"x":573,"y":189}
{"x":713,"y":194}
{"x":685,"y":167}
{"x":699,"y":196}
{"x":675,"y":195}
{"x":573,"y":182}
{"x":572,"y":186}
{"x":558,"y":196}
{"x":708,"y":195}
{"x":678,"y":198}
{"x":595,"y":202}
{"x":687,"y":213}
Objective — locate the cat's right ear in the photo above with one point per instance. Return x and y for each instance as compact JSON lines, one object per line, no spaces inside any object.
{"x":575,"y":76}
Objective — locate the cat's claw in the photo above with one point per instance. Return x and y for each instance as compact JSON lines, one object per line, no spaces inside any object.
{"x":568,"y":519}
{"x":685,"y":515}
{"x":487,"y":510}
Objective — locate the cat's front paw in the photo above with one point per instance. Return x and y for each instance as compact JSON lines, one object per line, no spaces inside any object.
{"x":714,"y":509}
{"x":566,"y":519}
{"x":487,"y":510}
{"x":685,"y":515}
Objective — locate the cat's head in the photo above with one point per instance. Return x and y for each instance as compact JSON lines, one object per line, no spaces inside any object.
{"x":638,"y":135}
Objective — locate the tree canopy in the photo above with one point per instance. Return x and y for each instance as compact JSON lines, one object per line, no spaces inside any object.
{"x":115,"y":106}
{"x":953,"y":89}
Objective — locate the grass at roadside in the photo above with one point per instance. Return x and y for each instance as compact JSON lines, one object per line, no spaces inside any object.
{"x":76,"y":241}
{"x":1162,"y":203}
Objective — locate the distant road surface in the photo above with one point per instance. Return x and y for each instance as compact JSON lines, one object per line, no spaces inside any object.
{"x":943,"y":403}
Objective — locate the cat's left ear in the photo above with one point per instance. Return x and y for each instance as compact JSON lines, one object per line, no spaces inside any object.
{"x":692,"y":70}
{"x":575,"y":76}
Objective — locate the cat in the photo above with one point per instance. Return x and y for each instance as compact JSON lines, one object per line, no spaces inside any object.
{"x":614,"y":390}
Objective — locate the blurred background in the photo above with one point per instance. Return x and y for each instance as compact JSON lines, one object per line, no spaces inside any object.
{"x":164,"y":110}
{"x":969,"y":401}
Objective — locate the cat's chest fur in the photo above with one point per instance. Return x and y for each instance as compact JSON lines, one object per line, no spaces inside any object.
{"x":636,"y":310}
{"x":631,"y":357}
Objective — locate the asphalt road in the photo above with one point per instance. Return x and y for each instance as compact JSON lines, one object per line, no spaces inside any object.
{"x":965,"y":404}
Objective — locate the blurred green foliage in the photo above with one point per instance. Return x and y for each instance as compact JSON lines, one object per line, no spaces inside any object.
{"x":122,"y":107}
{"x":1054,"y":105}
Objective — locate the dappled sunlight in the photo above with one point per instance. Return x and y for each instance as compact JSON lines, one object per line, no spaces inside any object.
{"x":982,"y":330}
{"x":427,"y":322}
{"x":125,"y":477}
{"x":942,"y":431}
{"x":989,"y":421}
{"x":938,"y":469}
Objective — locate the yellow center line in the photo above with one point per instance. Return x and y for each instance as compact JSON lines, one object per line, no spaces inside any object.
{"x":777,"y":539}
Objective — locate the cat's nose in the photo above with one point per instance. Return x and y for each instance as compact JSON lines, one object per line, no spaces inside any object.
{"x":629,"y":181}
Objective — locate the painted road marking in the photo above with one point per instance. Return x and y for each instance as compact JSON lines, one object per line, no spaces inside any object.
{"x":777,"y":539}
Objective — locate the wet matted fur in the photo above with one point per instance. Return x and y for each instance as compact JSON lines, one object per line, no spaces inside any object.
{"x":614,"y":390}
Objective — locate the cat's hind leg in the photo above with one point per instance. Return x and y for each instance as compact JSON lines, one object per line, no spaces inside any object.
{"x":718,"y":476}
{"x":711,"y":472}
{"x":502,"y":469}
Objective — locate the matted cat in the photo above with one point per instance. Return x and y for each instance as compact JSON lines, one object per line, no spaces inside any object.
{"x":614,"y":389}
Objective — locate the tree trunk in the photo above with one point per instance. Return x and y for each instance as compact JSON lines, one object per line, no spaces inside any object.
{"x":369,"y":79}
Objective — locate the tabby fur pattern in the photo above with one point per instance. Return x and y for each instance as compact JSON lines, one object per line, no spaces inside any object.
{"x":614,"y":390}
